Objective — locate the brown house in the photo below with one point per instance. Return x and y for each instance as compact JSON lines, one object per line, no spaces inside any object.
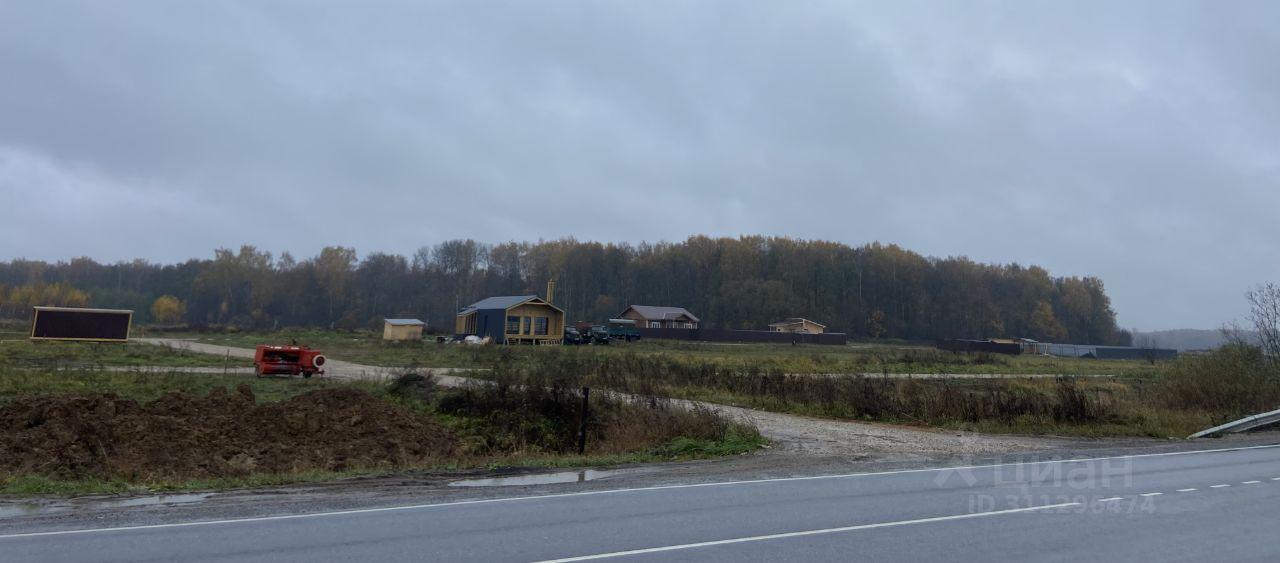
{"x":649,"y":316}
{"x":797,"y":324}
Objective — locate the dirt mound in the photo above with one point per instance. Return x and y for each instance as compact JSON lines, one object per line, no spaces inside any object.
{"x":225,"y":434}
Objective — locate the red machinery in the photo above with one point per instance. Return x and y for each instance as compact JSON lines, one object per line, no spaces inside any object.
{"x":287,"y":360}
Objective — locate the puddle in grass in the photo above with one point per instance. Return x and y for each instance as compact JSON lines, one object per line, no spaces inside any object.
{"x":9,"y":510}
{"x":539,"y":479}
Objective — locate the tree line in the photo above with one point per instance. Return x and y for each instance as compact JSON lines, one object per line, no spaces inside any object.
{"x":874,"y":290}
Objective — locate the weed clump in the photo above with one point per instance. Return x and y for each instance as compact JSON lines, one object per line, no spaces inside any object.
{"x":523,"y":413}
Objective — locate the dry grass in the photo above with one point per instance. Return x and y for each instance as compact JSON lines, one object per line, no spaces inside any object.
{"x":1190,"y":394}
{"x":523,"y":414}
{"x":517,"y":422}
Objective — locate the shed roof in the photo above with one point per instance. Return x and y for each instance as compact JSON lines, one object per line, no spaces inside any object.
{"x":657,"y":313}
{"x":403,"y":322}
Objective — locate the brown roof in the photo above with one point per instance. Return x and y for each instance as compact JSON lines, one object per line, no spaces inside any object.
{"x":655,"y":313}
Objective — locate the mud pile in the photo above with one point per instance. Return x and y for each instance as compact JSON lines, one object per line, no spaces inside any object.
{"x":225,"y":434}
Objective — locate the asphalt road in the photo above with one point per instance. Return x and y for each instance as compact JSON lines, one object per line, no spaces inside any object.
{"x":1210,"y":505}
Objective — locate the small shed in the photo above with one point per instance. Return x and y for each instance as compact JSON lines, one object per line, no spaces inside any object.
{"x":402,"y":329}
{"x":512,"y":319}
{"x":797,"y":324}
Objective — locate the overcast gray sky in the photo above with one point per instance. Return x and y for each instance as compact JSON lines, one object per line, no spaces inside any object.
{"x":1135,"y":141}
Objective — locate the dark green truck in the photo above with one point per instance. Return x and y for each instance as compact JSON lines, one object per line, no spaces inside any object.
{"x":623,"y":329}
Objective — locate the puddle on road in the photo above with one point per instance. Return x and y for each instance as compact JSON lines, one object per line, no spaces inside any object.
{"x":8,"y":510}
{"x":539,"y":479}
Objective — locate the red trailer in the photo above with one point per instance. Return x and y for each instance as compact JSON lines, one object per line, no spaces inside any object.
{"x":287,"y":360}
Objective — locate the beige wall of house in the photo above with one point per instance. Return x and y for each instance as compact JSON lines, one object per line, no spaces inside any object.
{"x":801,"y":325}
{"x":465,"y":324}
{"x":534,"y":321}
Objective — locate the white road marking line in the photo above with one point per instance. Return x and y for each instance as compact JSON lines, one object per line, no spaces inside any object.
{"x":1219,"y":486}
{"x":1150,"y":494}
{"x":1250,"y":482}
{"x":1186,"y":490}
{"x":630,"y":490}
{"x":1110,"y":499}
{"x":804,"y":533}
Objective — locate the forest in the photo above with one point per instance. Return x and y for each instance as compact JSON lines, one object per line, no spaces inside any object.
{"x":870,"y":291}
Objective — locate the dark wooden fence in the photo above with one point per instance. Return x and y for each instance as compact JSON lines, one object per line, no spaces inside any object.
{"x":724,"y":335}
{"x":956,"y":345}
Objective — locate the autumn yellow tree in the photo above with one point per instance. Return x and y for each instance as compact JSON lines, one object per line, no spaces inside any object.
{"x":1046,"y":325}
{"x":168,"y":309}
{"x":19,"y":300}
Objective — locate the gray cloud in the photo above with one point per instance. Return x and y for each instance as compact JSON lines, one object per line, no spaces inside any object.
{"x":1133,"y":141}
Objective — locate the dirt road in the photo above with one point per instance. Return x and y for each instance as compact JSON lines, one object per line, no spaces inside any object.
{"x":790,"y":433}
{"x":336,"y":369}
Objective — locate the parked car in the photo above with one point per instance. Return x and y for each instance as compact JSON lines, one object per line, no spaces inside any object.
{"x":573,"y":338}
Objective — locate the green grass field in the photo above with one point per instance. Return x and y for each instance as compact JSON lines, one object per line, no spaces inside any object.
{"x":17,"y":350}
{"x":25,"y":353}
{"x":367,"y":347}
{"x":151,"y":384}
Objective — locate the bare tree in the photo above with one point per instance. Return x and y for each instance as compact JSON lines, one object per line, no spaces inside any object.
{"x":1148,"y":347}
{"x":1234,"y":335}
{"x":1264,"y":312}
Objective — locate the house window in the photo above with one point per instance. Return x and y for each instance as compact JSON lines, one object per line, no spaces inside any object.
{"x":540,"y":326}
{"x":528,"y":324}
{"x":655,"y":324}
{"x":513,"y":325}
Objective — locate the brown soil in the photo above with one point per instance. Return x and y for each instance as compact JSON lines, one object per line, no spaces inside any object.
{"x":225,"y":434}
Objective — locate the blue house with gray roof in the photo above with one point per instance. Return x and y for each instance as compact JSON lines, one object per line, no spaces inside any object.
{"x":512,"y":319}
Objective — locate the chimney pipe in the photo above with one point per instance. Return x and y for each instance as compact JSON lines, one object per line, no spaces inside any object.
{"x":551,"y":291}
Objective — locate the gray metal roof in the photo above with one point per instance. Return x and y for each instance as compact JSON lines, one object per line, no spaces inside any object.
{"x":503,"y":302}
{"x":403,"y":322}
{"x":655,"y":313}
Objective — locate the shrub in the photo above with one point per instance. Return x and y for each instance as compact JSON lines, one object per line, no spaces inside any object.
{"x":1232,"y":381}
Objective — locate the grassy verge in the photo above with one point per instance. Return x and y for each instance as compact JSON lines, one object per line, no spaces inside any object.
{"x":516,"y":423}
{"x":77,"y":355}
{"x":150,"y":385}
{"x":676,"y":450}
